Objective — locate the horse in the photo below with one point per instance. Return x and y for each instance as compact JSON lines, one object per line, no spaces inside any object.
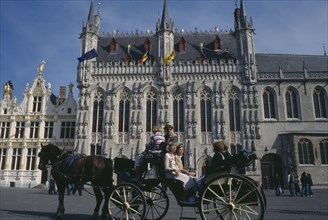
{"x":81,"y":169}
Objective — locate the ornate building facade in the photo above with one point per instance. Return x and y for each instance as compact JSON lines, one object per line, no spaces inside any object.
{"x":40,"y":118}
{"x":210,"y":85}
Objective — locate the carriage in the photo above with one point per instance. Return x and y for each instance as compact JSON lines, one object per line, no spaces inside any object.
{"x":223,"y":193}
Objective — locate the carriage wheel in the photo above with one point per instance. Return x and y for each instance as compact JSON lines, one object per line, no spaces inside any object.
{"x":231,"y":197}
{"x":260,"y":189}
{"x":127,"y":202}
{"x":157,"y":202}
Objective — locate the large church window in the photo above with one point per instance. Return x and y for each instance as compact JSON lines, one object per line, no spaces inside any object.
{"x":324,"y":151}
{"x":305,"y":152}
{"x":292,"y":103}
{"x":151,"y":112}
{"x":98,"y":112}
{"x":234,"y":110}
{"x":178,"y":111}
{"x":320,"y":103}
{"x":124,"y":112}
{"x":269,"y":104}
{"x":206,"y":116}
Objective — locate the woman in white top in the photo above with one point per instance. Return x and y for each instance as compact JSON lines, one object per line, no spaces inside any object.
{"x":172,"y":170}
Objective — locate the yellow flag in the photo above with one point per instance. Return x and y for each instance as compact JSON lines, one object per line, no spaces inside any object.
{"x":169,"y":57}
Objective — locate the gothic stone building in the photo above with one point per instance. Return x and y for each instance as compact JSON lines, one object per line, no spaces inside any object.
{"x":211,"y":85}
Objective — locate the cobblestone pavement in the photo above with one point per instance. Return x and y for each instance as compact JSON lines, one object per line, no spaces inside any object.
{"x":19,"y":204}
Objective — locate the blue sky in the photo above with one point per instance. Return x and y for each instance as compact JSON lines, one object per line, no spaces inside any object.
{"x":36,"y":30}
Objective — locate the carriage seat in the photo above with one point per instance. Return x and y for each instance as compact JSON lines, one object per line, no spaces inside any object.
{"x":124,"y":168}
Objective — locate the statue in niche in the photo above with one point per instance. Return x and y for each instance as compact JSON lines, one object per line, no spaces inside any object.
{"x":190,"y":129}
{"x":247,"y":130}
{"x":139,"y":101}
{"x":82,"y":101}
{"x":194,"y":129}
{"x":218,"y":130}
{"x":188,"y":96}
{"x":108,"y":101}
{"x":106,"y":129}
{"x":133,"y":130}
{"x":111,"y":129}
{"x":253,"y":131}
{"x":139,"y":129}
{"x":258,"y":132}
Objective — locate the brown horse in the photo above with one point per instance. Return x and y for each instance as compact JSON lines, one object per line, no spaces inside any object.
{"x":67,"y":168}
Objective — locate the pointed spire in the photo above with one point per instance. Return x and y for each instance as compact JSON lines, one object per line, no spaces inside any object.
{"x":242,"y":13}
{"x":91,"y":13}
{"x":166,"y":23}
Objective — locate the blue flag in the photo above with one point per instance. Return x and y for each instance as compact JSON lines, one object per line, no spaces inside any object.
{"x":88,"y":55}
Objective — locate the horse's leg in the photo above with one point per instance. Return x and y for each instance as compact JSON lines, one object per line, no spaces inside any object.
{"x":99,"y":199}
{"x":61,"y":209}
{"x":105,"y":210}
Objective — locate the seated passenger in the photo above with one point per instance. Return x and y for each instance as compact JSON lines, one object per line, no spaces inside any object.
{"x":179,"y":160}
{"x":154,"y":146}
{"x":221,"y":154}
{"x":172,"y":171}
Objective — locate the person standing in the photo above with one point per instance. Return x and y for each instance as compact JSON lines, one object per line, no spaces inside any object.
{"x":291,"y":186}
{"x":297,"y":186}
{"x":277,"y":184}
{"x":305,"y":185}
{"x":310,"y":184}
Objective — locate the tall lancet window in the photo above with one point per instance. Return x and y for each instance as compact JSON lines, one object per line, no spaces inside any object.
{"x":151,"y":112}
{"x":234,"y":111}
{"x":178,"y":111}
{"x":124,"y":114}
{"x":98,"y":112}
{"x":269,"y":104}
{"x":292,"y":103}
{"x":206,"y":116}
{"x":320,"y":103}
{"x":178,"y":114}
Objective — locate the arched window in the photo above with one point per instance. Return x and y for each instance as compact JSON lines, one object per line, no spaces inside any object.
{"x":124,"y":112}
{"x":305,"y":152}
{"x":324,"y":151}
{"x":205,"y":111}
{"x":292,"y":103}
{"x":178,"y":111}
{"x":269,"y":104}
{"x":217,"y":44}
{"x":112,"y":46}
{"x":320,"y":103}
{"x":151,"y":112}
{"x":182,"y":45}
{"x":98,"y":112}
{"x":234,"y":110}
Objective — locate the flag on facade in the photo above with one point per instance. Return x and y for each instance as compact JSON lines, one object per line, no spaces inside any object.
{"x":88,"y":55}
{"x":168,"y":58}
{"x":143,"y":58}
